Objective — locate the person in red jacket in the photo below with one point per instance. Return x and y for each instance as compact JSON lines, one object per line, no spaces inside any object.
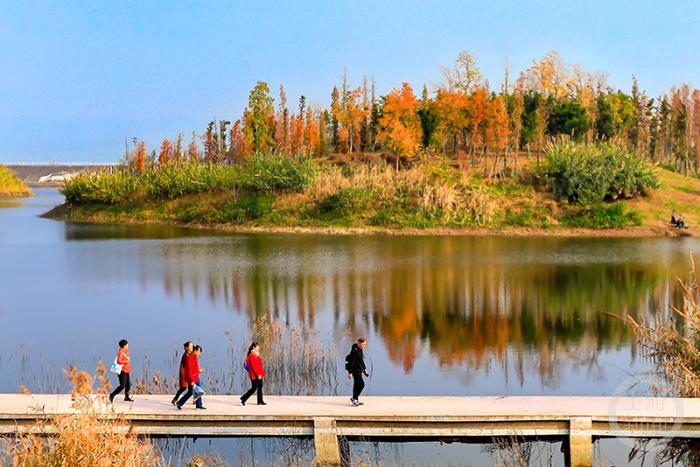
{"x":256,"y":372}
{"x":124,"y":378}
{"x":182,"y":383}
{"x":191,"y":377}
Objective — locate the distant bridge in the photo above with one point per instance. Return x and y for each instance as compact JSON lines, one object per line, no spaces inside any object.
{"x":38,"y":174}
{"x":331,"y":420}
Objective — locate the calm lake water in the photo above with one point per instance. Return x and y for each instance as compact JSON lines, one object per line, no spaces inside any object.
{"x":443,"y":315}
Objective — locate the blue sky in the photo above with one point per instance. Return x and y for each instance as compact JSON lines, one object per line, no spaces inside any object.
{"x":79,"y":77}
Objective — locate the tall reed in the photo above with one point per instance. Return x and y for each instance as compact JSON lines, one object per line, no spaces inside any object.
{"x":673,"y":347}
{"x":85,"y":437}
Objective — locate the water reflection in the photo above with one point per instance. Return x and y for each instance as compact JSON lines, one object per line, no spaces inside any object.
{"x":525,"y":305}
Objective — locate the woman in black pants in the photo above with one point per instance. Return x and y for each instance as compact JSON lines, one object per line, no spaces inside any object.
{"x":253,"y":364}
{"x":182,"y":383}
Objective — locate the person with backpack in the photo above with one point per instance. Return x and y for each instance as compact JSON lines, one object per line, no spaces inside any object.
{"x":198,"y":349}
{"x":191,"y":378}
{"x":254,"y":366}
{"x":123,"y":364}
{"x":356,"y":368}
{"x":182,"y":379}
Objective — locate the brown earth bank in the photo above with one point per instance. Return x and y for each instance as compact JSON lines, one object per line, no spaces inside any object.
{"x":65,"y":212}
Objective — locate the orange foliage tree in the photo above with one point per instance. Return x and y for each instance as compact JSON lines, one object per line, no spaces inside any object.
{"x":140,"y":157}
{"x":238,"y":149}
{"x":498,"y":126}
{"x":451,"y":110}
{"x":400,"y":127}
{"x":193,"y":149}
{"x":349,"y":114}
{"x":165,"y":153}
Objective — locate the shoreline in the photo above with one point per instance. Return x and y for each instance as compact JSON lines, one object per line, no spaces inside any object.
{"x":60,"y":213}
{"x":15,"y":194}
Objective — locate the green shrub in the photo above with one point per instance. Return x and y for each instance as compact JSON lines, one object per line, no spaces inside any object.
{"x":345,"y":202}
{"x":596,"y":172}
{"x":172,"y":181}
{"x":603,"y":216}
{"x":250,"y":208}
{"x":265,"y":173}
{"x":104,"y":188}
{"x":270,"y":172}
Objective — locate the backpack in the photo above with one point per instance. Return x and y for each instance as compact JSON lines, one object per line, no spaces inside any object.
{"x":246,"y":365}
{"x":348,"y":358}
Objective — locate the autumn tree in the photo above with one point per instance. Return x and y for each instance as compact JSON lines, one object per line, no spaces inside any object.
{"x":400,"y":126}
{"x":349,"y":113}
{"x":548,"y":75}
{"x":517,"y":105}
{"x":258,"y":118}
{"x":641,"y":128}
{"x":335,"y":109}
{"x":282,"y":124}
{"x":177,"y":149}
{"x":238,"y":148}
{"x":192,"y":149}
{"x":681,"y":121}
{"x":311,"y":135}
{"x":322,"y":130}
{"x":166,"y":152}
{"x":465,"y":75}
{"x":617,"y":115}
{"x":696,"y":127}
{"x":498,"y":129}
{"x":140,"y":157}
{"x":451,"y":112}
{"x":478,"y":109}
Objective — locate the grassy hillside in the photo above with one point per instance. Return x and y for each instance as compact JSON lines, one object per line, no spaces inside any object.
{"x":678,"y":192}
{"x":10,"y":185}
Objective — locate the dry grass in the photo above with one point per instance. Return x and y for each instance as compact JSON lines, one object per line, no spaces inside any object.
{"x":85,"y":437}
{"x":297,"y":361}
{"x":436,"y":190}
{"x":674,"y":347}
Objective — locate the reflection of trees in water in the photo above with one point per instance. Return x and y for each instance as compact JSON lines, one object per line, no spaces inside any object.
{"x":469,"y":301}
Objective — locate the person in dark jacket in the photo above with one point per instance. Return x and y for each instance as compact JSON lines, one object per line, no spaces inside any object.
{"x":256,"y":372}
{"x":356,"y":368}
{"x":182,"y":383}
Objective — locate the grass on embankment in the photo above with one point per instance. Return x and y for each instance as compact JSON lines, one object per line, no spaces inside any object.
{"x":279,"y":192}
{"x":678,"y":192}
{"x":10,"y":185}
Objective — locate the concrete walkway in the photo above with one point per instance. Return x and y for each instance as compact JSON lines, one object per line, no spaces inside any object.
{"x":328,"y":419}
{"x":308,"y":407}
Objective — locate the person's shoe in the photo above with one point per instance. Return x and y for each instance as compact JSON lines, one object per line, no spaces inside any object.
{"x":179,"y":407}
{"x":242,"y":401}
{"x":174,"y":401}
{"x":128,"y":399}
{"x":355,"y":402}
{"x":201,"y":408}
{"x":111,"y":399}
{"x":262,"y":403}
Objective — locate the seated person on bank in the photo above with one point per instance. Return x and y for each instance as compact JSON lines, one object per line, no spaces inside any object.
{"x":674,"y":219}
{"x":680,"y":223}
